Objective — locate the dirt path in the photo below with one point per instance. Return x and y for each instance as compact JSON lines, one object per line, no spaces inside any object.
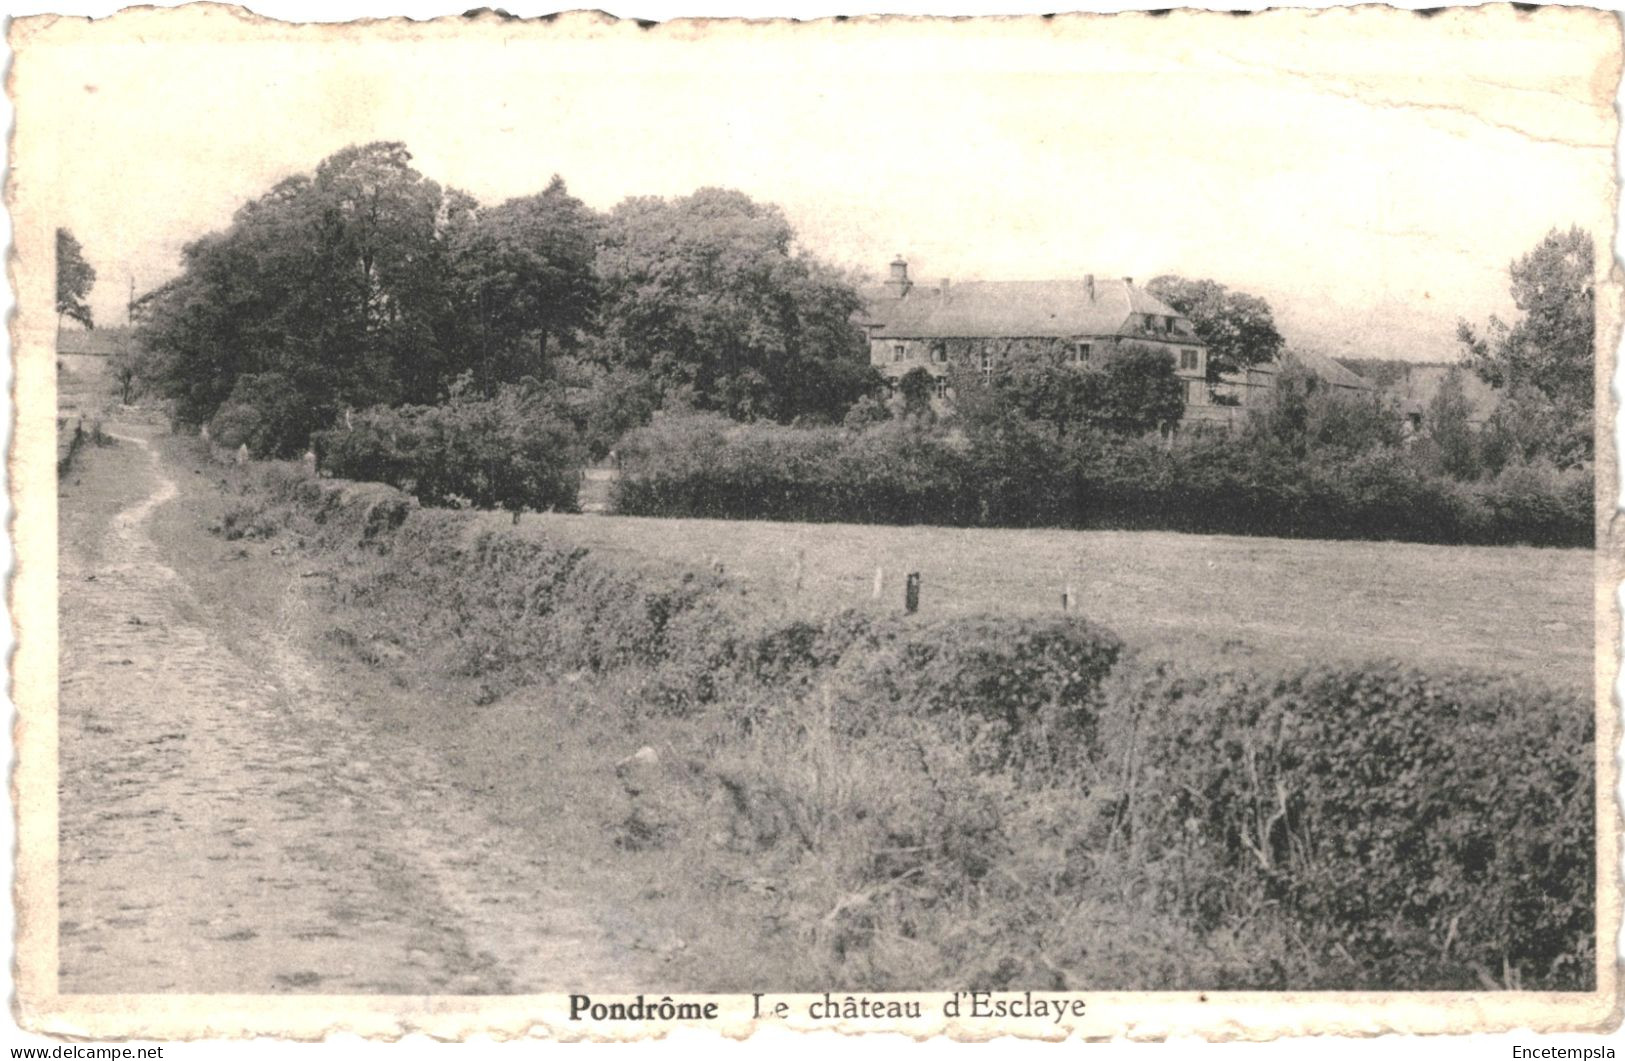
{"x":227,"y":826}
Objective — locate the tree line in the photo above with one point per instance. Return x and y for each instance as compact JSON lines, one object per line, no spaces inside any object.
{"x":367,"y":285}
{"x":373,"y":313}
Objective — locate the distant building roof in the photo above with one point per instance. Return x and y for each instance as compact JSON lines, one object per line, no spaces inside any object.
{"x":1317,"y":364}
{"x":1329,"y":370}
{"x":1012,"y":309}
{"x":103,"y":342}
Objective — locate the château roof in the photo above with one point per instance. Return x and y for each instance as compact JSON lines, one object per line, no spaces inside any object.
{"x":1020,"y":309}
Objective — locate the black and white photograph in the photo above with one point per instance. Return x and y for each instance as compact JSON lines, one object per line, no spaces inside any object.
{"x":1035,"y":526}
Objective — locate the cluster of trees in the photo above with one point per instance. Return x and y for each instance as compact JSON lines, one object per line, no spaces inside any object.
{"x":367,"y":285}
{"x":1541,"y":369}
{"x":1543,"y":364}
{"x":367,"y":294}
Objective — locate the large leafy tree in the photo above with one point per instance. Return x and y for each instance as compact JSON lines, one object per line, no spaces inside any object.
{"x":1550,"y":347}
{"x":1544,"y":363}
{"x":1238,"y":328}
{"x":74,"y":279}
{"x":338,"y":283}
{"x":707,"y":295}
{"x":526,"y":270}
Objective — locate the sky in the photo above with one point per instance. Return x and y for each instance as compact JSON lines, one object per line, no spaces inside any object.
{"x":1371,"y":173}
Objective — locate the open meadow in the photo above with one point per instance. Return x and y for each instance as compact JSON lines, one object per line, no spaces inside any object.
{"x":1513,"y":610}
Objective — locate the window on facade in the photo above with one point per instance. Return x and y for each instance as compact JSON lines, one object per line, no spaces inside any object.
{"x":987,"y":363}
{"x":939,"y":353}
{"x":1167,"y":324}
{"x":1189,"y":360}
{"x":1080,"y":353}
{"x":942,"y":386}
{"x":899,"y":352}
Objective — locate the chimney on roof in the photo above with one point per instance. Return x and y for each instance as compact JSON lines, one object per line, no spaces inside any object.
{"x":899,"y":283}
{"x":945,"y":287}
{"x":1089,"y":285}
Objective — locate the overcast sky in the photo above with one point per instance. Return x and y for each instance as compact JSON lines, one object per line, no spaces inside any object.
{"x":1370,"y":172}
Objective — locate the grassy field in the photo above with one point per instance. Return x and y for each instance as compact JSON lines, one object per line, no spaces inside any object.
{"x":1519,"y":610}
{"x":857,"y":832}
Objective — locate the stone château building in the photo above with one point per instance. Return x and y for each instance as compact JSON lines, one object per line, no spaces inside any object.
{"x":980,"y":324}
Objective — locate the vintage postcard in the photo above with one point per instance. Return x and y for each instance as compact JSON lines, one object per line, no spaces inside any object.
{"x":1077,"y":526}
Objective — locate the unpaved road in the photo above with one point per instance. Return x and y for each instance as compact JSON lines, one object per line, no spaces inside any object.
{"x":227,"y":826}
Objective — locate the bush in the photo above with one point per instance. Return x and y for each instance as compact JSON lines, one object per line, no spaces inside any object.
{"x":1537,"y":502}
{"x":245,"y":520}
{"x":706,"y":466}
{"x":269,"y":415}
{"x":70,"y":439}
{"x":1438,"y":828}
{"x":509,"y":451}
{"x":336,"y":512}
{"x":1010,"y":688}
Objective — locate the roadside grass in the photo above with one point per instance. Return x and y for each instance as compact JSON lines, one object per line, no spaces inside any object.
{"x":96,"y":486}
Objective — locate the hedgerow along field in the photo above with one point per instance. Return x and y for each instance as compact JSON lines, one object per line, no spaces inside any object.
{"x":1525,"y":611}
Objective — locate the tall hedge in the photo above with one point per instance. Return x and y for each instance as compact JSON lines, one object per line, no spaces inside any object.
{"x":1019,"y":474}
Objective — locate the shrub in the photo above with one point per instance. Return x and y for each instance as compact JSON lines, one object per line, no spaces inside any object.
{"x":508,"y":451}
{"x":866,"y":411}
{"x":336,"y":512}
{"x":70,"y":439}
{"x":269,"y":415}
{"x":246,"y":520}
{"x":1437,"y":827}
{"x":1012,"y":688}
{"x":1537,"y":502}
{"x":914,"y":392}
